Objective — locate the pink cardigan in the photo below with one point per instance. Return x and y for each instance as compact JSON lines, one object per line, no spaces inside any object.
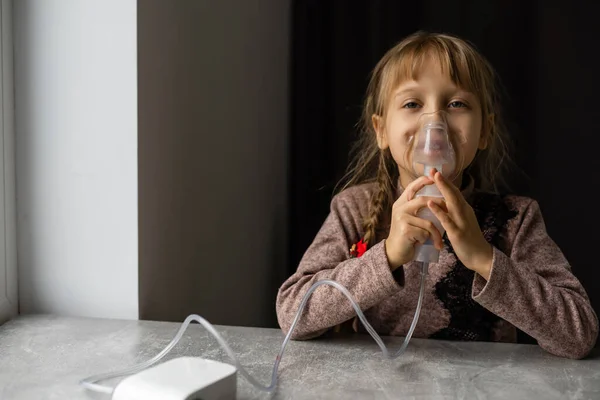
{"x":531,"y":286}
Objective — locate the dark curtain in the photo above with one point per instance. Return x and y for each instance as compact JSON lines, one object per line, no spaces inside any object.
{"x":545,"y":56}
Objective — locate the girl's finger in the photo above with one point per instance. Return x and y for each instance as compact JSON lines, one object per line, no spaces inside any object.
{"x":450,"y":192}
{"x":433,"y":232}
{"x":416,"y":185}
{"x":442,"y":216}
{"x":415,"y":234}
{"x":413,"y":206}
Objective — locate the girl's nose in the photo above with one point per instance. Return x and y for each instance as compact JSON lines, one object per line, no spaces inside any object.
{"x":440,"y":116}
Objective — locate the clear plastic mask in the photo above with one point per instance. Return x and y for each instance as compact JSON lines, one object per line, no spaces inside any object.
{"x":431,"y":145}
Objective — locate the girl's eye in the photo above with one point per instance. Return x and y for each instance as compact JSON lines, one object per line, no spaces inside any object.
{"x":457,"y":104}
{"x":410,"y":104}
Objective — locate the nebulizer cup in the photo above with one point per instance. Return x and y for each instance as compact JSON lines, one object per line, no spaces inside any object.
{"x":432,"y":150}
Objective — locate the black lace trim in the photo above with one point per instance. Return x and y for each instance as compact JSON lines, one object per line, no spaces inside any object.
{"x":469,"y":320}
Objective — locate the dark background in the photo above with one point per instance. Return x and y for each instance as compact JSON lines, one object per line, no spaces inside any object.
{"x":545,"y":56}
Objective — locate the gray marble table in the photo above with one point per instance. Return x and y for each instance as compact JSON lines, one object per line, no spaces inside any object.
{"x":44,"y":357}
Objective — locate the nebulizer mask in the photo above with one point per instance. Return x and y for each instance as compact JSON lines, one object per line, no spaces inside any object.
{"x":431,"y":148}
{"x":428,"y":147}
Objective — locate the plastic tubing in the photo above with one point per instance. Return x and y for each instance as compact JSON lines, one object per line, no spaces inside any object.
{"x":91,"y":382}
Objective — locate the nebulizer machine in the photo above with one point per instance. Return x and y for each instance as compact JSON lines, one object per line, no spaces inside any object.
{"x":428,"y":147}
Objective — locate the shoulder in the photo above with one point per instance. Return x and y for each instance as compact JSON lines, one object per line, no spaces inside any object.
{"x":527,"y":211}
{"x":354,"y":200}
{"x":519,"y":203}
{"x":356,"y":193}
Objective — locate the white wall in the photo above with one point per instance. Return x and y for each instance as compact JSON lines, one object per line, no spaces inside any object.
{"x":209,"y":123}
{"x":76,"y":121}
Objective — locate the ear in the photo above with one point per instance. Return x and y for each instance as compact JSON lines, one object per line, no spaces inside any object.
{"x":379,"y":128}
{"x":486,"y":132}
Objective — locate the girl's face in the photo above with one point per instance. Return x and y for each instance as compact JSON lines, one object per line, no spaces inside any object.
{"x":432,"y":92}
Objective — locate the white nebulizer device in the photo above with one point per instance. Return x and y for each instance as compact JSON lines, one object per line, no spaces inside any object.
{"x":432,"y":150}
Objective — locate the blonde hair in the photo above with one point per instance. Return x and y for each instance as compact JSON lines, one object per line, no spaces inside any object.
{"x":469,"y":70}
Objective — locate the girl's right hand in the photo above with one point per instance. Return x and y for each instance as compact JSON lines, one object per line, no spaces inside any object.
{"x":407,"y":229}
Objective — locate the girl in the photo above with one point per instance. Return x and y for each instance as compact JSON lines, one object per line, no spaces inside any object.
{"x":498,"y":271}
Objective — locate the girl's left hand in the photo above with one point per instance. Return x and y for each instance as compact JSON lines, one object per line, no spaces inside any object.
{"x":462,"y":228}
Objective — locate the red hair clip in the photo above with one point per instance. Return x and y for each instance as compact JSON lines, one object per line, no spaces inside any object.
{"x":358,"y":249}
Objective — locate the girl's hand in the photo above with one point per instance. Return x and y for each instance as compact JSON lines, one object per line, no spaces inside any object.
{"x":462,"y":228}
{"x":407,"y":229}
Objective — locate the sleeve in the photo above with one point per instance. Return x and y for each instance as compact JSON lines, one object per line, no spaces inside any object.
{"x":535,"y":290}
{"x":368,"y":278}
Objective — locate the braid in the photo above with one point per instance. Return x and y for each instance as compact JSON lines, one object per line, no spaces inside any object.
{"x":383,"y":196}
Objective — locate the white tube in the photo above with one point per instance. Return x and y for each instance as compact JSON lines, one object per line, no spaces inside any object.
{"x":90,"y":382}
